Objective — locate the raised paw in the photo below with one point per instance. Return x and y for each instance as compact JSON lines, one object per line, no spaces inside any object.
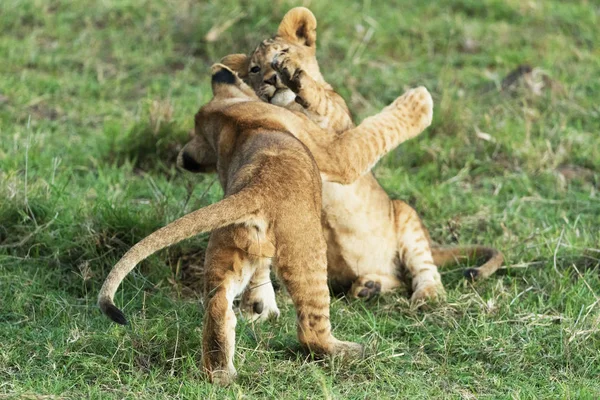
{"x":417,"y":105}
{"x":365,"y":288}
{"x":428,"y":292}
{"x":289,"y":70}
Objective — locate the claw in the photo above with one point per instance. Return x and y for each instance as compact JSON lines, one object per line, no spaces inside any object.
{"x":274,"y":61}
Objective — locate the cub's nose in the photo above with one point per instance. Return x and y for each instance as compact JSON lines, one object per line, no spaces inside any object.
{"x":272,"y":80}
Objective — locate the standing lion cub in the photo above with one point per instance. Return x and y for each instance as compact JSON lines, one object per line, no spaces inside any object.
{"x":271,"y":210}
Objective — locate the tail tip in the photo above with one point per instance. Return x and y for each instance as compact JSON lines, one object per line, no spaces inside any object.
{"x":112,"y":312}
{"x":471,"y":274}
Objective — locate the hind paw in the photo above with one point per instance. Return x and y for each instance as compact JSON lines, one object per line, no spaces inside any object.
{"x":365,"y":289}
{"x":259,"y":304}
{"x":348,"y":350}
{"x":368,"y":286}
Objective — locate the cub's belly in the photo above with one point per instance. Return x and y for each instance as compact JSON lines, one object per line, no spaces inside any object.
{"x":359,"y":229}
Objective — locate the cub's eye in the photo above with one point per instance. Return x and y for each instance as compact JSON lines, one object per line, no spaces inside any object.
{"x":255,"y":69}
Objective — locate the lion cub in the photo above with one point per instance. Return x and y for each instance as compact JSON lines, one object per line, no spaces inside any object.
{"x":271,"y":210}
{"x":341,"y":158}
{"x":372,"y":240}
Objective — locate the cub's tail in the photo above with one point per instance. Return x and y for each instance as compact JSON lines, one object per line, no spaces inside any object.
{"x":443,"y":256}
{"x":236,"y":208}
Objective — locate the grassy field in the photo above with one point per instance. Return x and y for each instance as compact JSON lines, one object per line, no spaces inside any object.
{"x":96,"y":98}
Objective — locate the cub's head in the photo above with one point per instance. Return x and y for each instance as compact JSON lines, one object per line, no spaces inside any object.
{"x":200,"y":153}
{"x":296,"y":35}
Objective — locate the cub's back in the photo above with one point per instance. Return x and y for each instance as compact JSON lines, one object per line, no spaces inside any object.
{"x":282,"y":165}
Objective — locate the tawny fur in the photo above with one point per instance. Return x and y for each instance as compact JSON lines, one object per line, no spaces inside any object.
{"x":371,"y":239}
{"x":341,"y":158}
{"x":271,"y":210}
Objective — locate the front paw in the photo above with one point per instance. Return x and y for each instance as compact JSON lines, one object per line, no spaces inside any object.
{"x":428,"y":292}
{"x":418,"y":105}
{"x":289,"y":70}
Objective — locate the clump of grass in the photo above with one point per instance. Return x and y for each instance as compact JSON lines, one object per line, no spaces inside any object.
{"x":151,"y":144}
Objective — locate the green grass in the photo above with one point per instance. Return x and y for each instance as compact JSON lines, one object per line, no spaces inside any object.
{"x":97,"y":96}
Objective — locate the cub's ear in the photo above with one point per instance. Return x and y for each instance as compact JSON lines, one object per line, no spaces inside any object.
{"x":227,"y":84}
{"x":299,"y":25}
{"x":222,"y":74}
{"x":238,"y":63}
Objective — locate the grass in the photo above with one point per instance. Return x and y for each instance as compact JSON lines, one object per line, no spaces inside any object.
{"x":97,"y":96}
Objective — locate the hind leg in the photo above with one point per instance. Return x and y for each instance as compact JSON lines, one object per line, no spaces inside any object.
{"x":227,"y":273}
{"x":415,"y":253}
{"x":303,"y":270}
{"x":258,"y":301}
{"x":367,"y":286}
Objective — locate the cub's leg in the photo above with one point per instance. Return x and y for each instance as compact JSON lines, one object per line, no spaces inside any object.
{"x":415,"y":253}
{"x":345,"y":157}
{"x":258,"y":301}
{"x":367,"y":286}
{"x":302,"y":266}
{"x":227,"y":273}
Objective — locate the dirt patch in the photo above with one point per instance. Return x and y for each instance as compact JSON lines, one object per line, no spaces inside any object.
{"x":576,"y":173}
{"x":42,"y":111}
{"x":534,"y":80}
{"x":176,"y":66}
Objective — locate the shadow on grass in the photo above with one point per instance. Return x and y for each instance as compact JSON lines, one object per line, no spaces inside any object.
{"x":187,"y":268}
{"x":19,"y":220}
{"x":78,"y":248}
{"x":148,"y":148}
{"x":589,"y":260}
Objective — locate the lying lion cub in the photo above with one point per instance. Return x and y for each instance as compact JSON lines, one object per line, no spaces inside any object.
{"x":271,"y":210}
